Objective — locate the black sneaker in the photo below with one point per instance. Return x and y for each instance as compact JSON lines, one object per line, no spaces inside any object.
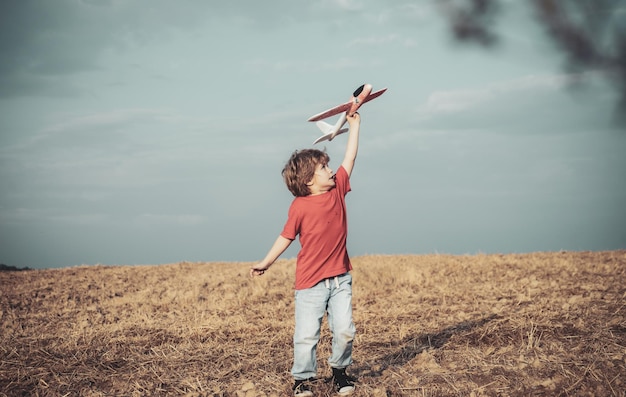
{"x":343,"y":383}
{"x":302,"y":388}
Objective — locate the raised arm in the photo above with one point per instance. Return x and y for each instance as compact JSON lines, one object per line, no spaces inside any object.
{"x":353,"y":143}
{"x":280,"y":245}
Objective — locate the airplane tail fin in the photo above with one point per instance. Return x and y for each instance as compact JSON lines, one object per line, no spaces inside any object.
{"x":325,"y":127}
{"x":327,"y":131}
{"x":331,"y":131}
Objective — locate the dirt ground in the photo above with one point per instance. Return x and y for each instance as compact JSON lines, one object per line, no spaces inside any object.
{"x":538,"y":324}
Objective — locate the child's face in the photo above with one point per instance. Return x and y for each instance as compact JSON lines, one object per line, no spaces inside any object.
{"x":323,"y":179}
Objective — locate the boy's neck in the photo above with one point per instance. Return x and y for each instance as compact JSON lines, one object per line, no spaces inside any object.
{"x":316,"y":191}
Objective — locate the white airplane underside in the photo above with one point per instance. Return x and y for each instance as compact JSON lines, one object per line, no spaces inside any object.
{"x":331,"y":131}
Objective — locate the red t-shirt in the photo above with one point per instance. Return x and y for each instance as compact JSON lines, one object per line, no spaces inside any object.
{"x":322,"y":223}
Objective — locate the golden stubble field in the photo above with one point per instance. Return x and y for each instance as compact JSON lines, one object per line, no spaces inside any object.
{"x":538,"y":324}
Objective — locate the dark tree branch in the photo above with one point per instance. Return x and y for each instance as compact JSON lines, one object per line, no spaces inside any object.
{"x":589,"y":33}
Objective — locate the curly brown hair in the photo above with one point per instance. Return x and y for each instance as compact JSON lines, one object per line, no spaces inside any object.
{"x":300,"y":169}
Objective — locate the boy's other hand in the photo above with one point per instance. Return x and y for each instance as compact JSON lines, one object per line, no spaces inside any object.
{"x":258,"y":269}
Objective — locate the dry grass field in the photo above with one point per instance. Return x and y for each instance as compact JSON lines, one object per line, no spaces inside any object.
{"x":539,"y":324}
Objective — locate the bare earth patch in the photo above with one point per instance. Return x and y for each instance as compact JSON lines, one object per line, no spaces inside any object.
{"x":539,"y":324}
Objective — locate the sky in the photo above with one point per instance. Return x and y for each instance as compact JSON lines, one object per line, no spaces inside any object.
{"x":153,"y":131}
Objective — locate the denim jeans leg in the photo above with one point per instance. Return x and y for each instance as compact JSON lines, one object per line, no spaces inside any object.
{"x":310,"y":306}
{"x":340,"y":322}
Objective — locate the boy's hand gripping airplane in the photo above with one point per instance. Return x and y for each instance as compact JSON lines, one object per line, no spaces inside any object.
{"x":361,"y":95}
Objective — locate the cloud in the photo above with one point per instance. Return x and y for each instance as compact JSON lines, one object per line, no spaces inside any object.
{"x":111,"y":120}
{"x":52,"y":49}
{"x":386,"y":40}
{"x":23,"y":215}
{"x":297,"y":66}
{"x":348,"y":5}
{"x":167,"y":219}
{"x":44,"y":45}
{"x":454,"y":101}
{"x":527,"y":102}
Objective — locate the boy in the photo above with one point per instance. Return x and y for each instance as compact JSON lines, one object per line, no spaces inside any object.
{"x":323,"y":279}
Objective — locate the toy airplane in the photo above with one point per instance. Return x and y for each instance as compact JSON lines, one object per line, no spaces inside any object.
{"x":359,"y":97}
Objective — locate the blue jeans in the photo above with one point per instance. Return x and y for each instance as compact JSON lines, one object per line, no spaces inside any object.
{"x":333,"y":296}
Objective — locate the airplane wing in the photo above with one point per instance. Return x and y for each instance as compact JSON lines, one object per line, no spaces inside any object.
{"x":374,"y":95}
{"x":330,"y":137}
{"x":331,"y":112}
{"x":344,"y":107}
{"x":322,"y":138}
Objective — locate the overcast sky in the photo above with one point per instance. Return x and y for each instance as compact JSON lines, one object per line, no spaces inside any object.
{"x":153,"y":131}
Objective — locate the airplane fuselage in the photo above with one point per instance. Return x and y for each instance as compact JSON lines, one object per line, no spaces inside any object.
{"x":358,"y":98}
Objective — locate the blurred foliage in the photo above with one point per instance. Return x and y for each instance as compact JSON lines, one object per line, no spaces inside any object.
{"x":591,"y":34}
